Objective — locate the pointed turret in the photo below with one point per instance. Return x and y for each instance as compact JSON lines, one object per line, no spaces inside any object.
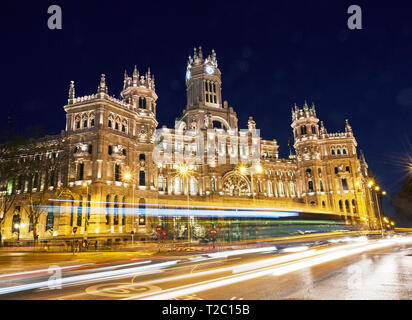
{"x":102,"y":88}
{"x":348,"y":128}
{"x":323,"y":130}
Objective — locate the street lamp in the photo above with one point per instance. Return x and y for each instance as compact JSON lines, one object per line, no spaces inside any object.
{"x":375,"y":192}
{"x":85,"y":184}
{"x":17,"y":227}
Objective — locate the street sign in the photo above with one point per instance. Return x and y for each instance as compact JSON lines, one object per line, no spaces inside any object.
{"x":74,"y":229}
{"x":158,"y":228}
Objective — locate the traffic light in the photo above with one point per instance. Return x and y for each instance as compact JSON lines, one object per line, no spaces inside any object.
{"x":142,"y":219}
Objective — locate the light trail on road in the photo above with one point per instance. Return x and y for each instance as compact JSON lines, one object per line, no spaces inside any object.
{"x":106,"y":275}
{"x":311,"y":258}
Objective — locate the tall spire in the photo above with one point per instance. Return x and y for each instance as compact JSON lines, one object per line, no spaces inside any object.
{"x":135,"y":75}
{"x":200,"y":54}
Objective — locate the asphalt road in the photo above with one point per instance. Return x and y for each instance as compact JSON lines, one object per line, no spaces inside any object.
{"x":351,"y":268}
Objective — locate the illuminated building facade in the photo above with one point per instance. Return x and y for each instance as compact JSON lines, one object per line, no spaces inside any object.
{"x":109,"y":170}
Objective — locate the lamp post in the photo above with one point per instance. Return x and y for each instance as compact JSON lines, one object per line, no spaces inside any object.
{"x":86,"y":219}
{"x":17,"y":226}
{"x":374,"y":191}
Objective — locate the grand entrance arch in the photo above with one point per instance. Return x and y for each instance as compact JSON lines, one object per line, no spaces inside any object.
{"x":236,"y":185}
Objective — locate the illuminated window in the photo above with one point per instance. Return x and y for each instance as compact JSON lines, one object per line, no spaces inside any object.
{"x":117,"y":173}
{"x":50,"y":218}
{"x":345,"y":184}
{"x":80,"y":212}
{"x":116,"y":211}
{"x":354,"y":205}
{"x":310,"y":186}
{"x":347,"y":205}
{"x":142,"y":178}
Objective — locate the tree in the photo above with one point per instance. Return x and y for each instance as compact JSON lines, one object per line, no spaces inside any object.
{"x":9,"y":173}
{"x":402,"y":201}
{"x":30,"y":171}
{"x":47,"y":160}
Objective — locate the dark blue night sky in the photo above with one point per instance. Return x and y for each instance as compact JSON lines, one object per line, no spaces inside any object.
{"x":271,"y":54}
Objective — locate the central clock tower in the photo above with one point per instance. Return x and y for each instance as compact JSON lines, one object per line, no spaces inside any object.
{"x":205,"y":108}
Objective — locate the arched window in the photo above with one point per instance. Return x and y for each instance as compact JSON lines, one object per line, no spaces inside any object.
{"x":347,"y":206}
{"x":281,"y":189}
{"x":313,"y":130}
{"x":116,"y":211}
{"x":142,"y":177}
{"x":142,"y":103}
{"x":321,"y":185}
{"x":345,"y":184}
{"x":80,"y":212}
{"x":340,"y":206}
{"x":323,"y":204}
{"x":338,"y":152}
{"x":303,"y":130}
{"x":333,"y":152}
{"x":354,"y":210}
{"x":117,"y":172}
{"x":213,"y":184}
{"x":292,"y":189}
{"x":310,"y":186}
{"x":270,"y":188}
{"x":110,"y":150}
{"x":108,"y":209}
{"x":160,"y":183}
{"x":124,"y":211}
{"x":193,"y":185}
{"x":81,"y":171}
{"x":50,"y":218}
{"x":344,"y":151}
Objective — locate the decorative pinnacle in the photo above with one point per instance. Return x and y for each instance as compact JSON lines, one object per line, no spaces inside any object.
{"x":71,"y":90}
{"x":102,"y":86}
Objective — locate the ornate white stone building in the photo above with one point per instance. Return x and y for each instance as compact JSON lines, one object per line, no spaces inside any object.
{"x":109,"y":171}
